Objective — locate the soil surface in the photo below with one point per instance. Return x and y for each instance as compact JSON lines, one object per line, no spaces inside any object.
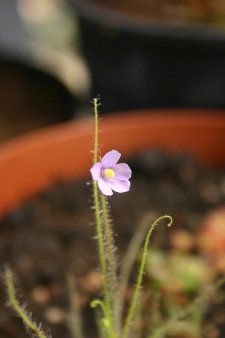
{"x":52,"y":236}
{"x":169,"y":11}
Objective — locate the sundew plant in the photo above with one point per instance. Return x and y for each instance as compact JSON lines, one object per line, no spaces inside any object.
{"x":115,"y":320}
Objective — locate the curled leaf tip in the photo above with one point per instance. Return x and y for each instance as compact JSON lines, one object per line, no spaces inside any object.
{"x":94,"y":303}
{"x":170,"y":220}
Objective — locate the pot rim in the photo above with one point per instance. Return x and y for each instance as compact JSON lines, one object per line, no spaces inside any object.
{"x":63,"y":152}
{"x":115,"y":19}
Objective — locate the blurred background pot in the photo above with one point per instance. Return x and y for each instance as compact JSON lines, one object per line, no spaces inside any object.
{"x":36,"y":89}
{"x":33,"y":162}
{"x":30,"y":98}
{"x":138,"y":62}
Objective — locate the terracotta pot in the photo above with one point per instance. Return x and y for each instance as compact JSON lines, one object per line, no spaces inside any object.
{"x":31,"y":163}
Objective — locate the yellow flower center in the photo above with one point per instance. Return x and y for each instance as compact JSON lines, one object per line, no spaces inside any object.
{"x":109,"y":173}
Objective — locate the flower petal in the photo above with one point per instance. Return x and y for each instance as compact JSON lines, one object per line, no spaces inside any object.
{"x":104,"y":186}
{"x":120,"y":185}
{"x":122,"y":171}
{"x":111,"y":158}
{"x":96,"y":171}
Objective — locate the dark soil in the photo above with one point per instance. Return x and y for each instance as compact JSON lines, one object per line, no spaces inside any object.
{"x":52,"y":235}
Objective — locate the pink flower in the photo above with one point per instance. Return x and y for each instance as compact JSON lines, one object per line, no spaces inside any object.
{"x":110,"y":175}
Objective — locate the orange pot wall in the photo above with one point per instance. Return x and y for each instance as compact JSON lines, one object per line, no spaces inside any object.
{"x":32,"y":162}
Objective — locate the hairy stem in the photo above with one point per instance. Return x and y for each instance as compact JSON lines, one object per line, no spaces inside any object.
{"x":111,"y":259}
{"x":99,"y":226}
{"x":102,"y":258}
{"x":136,"y":292}
{"x":32,"y":326}
{"x":129,"y":260}
{"x":96,"y":131}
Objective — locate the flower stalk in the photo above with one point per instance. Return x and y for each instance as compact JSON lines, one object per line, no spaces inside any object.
{"x":110,"y":250}
{"x":107,"y":292}
{"x":136,"y":292}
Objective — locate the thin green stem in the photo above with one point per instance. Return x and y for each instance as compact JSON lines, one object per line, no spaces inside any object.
{"x":110,"y":256}
{"x":128,"y":262}
{"x":102,"y":257}
{"x":99,"y":226}
{"x":136,"y":292}
{"x":96,"y":131}
{"x":32,"y":326}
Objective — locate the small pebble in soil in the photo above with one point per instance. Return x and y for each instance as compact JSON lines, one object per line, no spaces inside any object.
{"x":55,"y":315}
{"x":182,"y":240}
{"x":211,"y":193}
{"x":92,"y":282}
{"x":41,"y":294}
